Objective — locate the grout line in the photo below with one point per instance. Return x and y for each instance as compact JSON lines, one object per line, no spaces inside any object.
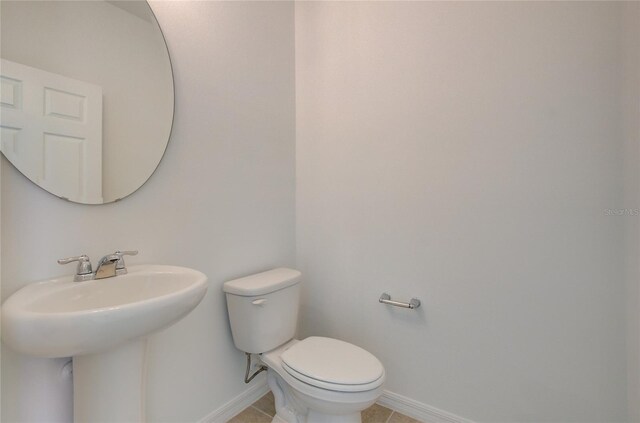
{"x":256,"y":408}
{"x":389,"y":418}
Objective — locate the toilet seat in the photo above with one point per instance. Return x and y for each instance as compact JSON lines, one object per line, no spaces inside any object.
{"x":333,"y":365}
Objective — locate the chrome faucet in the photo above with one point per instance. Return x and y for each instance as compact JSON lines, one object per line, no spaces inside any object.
{"x":108,"y":266}
{"x":113,"y":264}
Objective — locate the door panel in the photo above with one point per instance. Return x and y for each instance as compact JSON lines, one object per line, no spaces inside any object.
{"x":51,"y":130}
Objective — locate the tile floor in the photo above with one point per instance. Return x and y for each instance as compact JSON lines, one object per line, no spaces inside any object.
{"x":263,"y":410}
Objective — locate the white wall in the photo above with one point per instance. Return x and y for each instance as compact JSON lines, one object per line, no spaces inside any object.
{"x":631,"y":109}
{"x":222,"y":201}
{"x":465,"y":153}
{"x":93,"y":41}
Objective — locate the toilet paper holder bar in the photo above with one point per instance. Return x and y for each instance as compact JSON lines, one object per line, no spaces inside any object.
{"x":412,"y":304}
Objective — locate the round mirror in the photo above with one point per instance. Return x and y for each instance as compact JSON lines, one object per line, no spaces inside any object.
{"x":87,"y":95}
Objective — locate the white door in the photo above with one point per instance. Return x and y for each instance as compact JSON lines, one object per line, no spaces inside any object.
{"x":51,"y":130}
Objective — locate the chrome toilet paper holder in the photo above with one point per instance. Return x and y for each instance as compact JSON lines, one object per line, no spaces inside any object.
{"x":412,"y":304}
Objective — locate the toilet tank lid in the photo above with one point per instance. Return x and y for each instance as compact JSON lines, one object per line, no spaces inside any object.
{"x":263,"y":283}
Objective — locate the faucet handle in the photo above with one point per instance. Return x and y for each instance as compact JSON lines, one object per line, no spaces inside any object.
{"x":120,"y":266}
{"x":127,"y":253}
{"x":83,"y":271}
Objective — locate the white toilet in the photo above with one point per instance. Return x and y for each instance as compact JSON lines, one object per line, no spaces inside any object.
{"x":315,"y":380}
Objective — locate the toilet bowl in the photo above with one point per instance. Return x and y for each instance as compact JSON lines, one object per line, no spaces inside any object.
{"x":312,"y":383}
{"x":314,"y":380}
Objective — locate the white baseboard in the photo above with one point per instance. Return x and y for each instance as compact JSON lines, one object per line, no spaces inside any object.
{"x":237,"y":404}
{"x":417,"y":410}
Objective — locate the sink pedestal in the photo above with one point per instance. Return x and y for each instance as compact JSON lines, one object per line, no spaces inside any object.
{"x":110,"y":386}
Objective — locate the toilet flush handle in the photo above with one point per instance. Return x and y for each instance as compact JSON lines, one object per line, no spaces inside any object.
{"x":259,"y":301}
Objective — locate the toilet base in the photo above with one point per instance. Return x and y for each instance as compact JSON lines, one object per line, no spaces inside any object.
{"x":314,"y":417}
{"x":290,"y":408}
{"x":278,"y":419}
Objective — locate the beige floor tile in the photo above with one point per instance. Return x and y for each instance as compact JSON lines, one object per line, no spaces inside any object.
{"x":376,"y":414}
{"x":401,"y":418}
{"x":251,"y":415}
{"x":266,"y":404}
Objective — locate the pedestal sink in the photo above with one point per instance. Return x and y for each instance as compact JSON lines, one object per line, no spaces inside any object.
{"x":103,"y":324}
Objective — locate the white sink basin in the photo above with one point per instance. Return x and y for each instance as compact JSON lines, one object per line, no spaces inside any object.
{"x":103,"y":324}
{"x":62,"y":318}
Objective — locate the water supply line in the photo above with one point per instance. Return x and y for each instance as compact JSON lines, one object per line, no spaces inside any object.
{"x":248,"y":378}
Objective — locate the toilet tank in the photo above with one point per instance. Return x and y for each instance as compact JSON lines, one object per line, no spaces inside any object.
{"x":263,"y":309}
